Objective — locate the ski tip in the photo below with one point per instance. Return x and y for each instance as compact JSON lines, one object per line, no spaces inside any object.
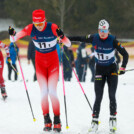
{"x":67,"y":127}
{"x":34,"y":119}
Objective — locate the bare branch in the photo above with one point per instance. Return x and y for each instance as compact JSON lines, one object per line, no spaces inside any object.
{"x":70,"y":6}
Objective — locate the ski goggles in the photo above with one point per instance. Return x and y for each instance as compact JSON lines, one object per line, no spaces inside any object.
{"x":39,"y":24}
{"x":104,"y":30}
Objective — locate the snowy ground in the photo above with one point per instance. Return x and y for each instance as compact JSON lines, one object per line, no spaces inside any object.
{"x":16,"y":118}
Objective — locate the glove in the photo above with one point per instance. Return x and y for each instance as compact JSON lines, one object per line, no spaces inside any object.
{"x":11,"y":31}
{"x":9,"y":59}
{"x":60,"y":33}
{"x":121,"y":71}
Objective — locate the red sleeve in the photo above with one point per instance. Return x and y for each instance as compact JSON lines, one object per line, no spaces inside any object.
{"x":65,"y":40}
{"x":25,"y":32}
{"x":54,"y":27}
{"x":5,"y":47}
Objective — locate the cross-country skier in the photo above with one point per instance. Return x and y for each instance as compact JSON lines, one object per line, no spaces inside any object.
{"x":44,"y":35}
{"x":2,"y":84}
{"x":105,"y":45}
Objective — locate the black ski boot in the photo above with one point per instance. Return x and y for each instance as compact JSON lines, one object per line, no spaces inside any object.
{"x":3,"y":93}
{"x":57,"y":124}
{"x":48,"y":123}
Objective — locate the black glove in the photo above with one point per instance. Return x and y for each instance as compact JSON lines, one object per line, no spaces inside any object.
{"x":11,"y":31}
{"x":121,"y":71}
{"x":60,"y":33}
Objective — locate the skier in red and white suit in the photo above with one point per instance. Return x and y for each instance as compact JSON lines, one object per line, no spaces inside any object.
{"x":2,"y":84}
{"x":44,"y":35}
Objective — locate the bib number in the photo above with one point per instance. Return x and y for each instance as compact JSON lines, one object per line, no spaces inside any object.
{"x":102,"y":56}
{"x":43,"y":45}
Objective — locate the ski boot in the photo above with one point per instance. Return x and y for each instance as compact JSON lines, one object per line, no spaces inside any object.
{"x":57,"y":124}
{"x":48,"y":123}
{"x":112,"y":124}
{"x":94,"y":125}
{"x":3,"y":93}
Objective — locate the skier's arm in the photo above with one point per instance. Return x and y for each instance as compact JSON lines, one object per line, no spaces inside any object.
{"x":58,"y":32}
{"x":117,"y":57}
{"x":24,"y":32}
{"x":122,"y":51}
{"x":87,"y":39}
{"x":5,"y":47}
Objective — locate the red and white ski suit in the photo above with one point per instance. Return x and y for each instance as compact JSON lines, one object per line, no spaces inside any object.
{"x":2,"y":45}
{"x":47,"y":63}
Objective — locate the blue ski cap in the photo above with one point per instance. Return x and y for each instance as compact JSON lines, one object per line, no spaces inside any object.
{"x":103,"y":24}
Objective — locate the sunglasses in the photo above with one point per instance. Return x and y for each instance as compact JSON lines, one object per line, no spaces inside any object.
{"x":38,"y":24}
{"x":104,"y":30}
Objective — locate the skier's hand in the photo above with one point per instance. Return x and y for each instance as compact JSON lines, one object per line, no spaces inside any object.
{"x":9,"y":59}
{"x":11,"y":31}
{"x":121,"y":71}
{"x":60,"y":33}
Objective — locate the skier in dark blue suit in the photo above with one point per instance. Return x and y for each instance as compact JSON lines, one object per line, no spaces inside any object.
{"x":106,"y":69}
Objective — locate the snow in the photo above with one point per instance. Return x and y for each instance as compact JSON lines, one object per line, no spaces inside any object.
{"x":16,"y":117}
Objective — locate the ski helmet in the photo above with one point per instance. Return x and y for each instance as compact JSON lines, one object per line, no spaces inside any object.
{"x":103,"y":24}
{"x":38,"y":16}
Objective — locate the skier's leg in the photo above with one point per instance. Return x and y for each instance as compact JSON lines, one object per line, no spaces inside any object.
{"x":112,"y":86}
{"x":2,"y":84}
{"x":15,"y":73}
{"x":80,"y":73}
{"x":9,"y":71}
{"x":83,"y":73}
{"x":33,"y":62}
{"x":42,"y":78}
{"x":99,"y":87}
{"x":53,"y":75}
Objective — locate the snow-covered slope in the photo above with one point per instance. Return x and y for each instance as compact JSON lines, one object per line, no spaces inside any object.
{"x":16,"y":117}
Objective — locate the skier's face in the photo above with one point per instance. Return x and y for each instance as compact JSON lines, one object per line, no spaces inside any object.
{"x":103,"y":33}
{"x":39,"y":26}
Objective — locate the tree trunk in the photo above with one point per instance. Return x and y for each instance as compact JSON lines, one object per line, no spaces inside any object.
{"x":62,"y":14}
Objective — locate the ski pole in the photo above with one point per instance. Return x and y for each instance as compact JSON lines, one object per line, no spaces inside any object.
{"x":79,"y":83}
{"x":25,"y":85}
{"x":67,"y":127}
{"x":26,"y":91}
{"x":13,"y":68}
{"x":129,"y":70}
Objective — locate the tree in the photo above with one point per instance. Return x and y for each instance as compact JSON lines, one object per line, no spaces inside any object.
{"x":21,"y":10}
{"x":61,"y":8}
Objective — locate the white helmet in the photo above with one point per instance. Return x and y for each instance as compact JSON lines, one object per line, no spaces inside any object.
{"x":103,"y":24}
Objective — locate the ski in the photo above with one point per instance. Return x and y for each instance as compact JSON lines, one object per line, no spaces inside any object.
{"x":112,"y":132}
